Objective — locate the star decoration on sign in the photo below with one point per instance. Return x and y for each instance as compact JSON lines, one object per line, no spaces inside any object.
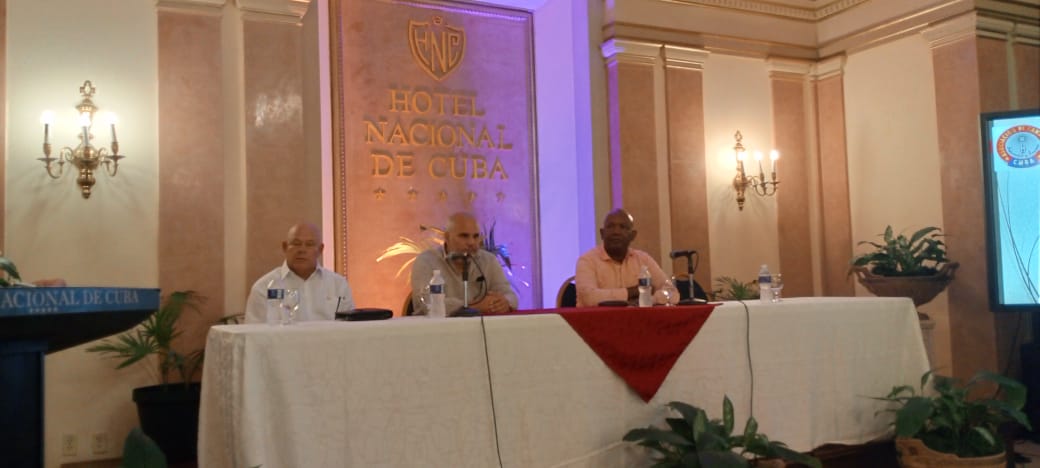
{"x":379,"y":193}
{"x":501,"y":196}
{"x":412,"y":193}
{"x":443,"y":196}
{"x":470,"y":196}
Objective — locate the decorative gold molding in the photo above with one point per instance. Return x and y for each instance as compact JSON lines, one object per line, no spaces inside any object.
{"x":713,"y":43}
{"x":788,"y":66}
{"x":829,"y":67}
{"x":952,"y":30}
{"x":205,"y":7}
{"x":288,"y":10}
{"x":685,"y":57}
{"x":785,"y":11}
{"x":1027,"y":34}
{"x":628,"y":51}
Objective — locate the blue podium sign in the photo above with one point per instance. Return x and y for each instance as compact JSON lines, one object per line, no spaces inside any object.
{"x":36,"y":321}
{"x":39,"y":301}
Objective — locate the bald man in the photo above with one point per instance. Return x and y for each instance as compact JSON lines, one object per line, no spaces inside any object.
{"x":489,"y":289}
{"x":610,"y":272}
{"x":321,"y":290}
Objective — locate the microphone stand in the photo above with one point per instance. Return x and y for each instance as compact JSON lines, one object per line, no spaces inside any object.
{"x":689,"y":275}
{"x":466,"y":310}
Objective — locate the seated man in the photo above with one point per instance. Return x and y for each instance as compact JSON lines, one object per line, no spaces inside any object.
{"x":321,"y":290}
{"x":489,"y":289}
{"x":610,"y":272}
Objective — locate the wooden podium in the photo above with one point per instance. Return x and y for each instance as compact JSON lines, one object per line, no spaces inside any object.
{"x":37,"y":321}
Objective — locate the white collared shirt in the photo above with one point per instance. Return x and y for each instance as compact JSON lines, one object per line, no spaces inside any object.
{"x":321,"y":295}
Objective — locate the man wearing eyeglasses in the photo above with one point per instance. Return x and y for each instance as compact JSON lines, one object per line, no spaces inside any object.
{"x":322,"y":292}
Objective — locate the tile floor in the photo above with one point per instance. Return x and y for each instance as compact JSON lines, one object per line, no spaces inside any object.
{"x":1031,"y":450}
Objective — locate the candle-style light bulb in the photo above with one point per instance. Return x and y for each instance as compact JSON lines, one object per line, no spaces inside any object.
{"x":774,"y":155}
{"x":84,"y":121}
{"x":47,"y":118}
{"x":112,"y":120}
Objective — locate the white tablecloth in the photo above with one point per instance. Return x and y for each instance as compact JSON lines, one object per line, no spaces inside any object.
{"x":414,"y":392}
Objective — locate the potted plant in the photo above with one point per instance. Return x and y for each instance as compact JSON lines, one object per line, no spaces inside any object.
{"x":949,"y":426}
{"x":900,"y":266}
{"x":168,"y":412}
{"x":732,"y":289}
{"x":8,"y":273}
{"x":694,"y":441}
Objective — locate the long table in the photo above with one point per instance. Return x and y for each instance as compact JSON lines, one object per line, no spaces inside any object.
{"x":417,"y":392}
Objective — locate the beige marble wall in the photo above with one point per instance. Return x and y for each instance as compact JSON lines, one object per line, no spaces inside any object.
{"x":191,"y":164}
{"x":278,"y":186}
{"x":687,"y":174}
{"x":3,"y":115}
{"x":633,"y":148}
{"x":1027,"y":62}
{"x":793,"y":169}
{"x":959,"y":96}
{"x":835,"y":218}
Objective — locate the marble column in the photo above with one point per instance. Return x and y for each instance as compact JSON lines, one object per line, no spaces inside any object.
{"x":282,"y":186}
{"x":633,"y":69}
{"x":687,"y":174}
{"x":833,"y":176}
{"x":960,"y":95}
{"x":191,"y":165}
{"x":790,"y":92}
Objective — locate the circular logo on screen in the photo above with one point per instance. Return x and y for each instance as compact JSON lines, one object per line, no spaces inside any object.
{"x":1019,"y":146}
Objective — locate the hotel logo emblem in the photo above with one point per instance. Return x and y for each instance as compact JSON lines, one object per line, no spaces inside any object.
{"x":436,"y":47}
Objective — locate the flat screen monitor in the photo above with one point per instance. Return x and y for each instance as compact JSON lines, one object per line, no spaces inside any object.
{"x":1011,"y":173}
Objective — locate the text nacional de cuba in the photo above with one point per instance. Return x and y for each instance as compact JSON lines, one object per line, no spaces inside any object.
{"x":450,"y":122}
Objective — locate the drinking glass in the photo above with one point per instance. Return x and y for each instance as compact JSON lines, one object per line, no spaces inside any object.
{"x":666,"y":291}
{"x":424,"y":300}
{"x":290,"y":304}
{"x":776,"y":285}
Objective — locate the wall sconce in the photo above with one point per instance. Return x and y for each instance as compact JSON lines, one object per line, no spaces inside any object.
{"x":85,"y":157}
{"x":758,"y":184}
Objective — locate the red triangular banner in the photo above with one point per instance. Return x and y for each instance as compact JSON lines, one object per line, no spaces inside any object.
{"x":639,"y":345}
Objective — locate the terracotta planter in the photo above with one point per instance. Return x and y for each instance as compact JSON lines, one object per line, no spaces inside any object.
{"x":914,"y":454}
{"x":921,"y":289}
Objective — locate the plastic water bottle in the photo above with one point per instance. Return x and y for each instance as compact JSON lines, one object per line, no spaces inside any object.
{"x":645,"y":290}
{"x":765,"y":293}
{"x":275,"y":293}
{"x":435,"y":307}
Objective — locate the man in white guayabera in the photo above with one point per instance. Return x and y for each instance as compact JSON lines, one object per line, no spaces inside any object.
{"x":321,"y":292}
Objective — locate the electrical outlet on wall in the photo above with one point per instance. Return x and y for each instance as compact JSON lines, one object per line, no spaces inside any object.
{"x":99,"y":442}
{"x":68,"y":445}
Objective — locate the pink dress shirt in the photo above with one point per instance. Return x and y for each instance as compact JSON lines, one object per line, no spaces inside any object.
{"x":599,"y":278}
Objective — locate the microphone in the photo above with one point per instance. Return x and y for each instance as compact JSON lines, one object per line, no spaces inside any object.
{"x":681,"y":253}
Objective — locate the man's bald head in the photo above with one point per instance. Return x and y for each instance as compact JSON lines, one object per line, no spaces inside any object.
{"x":302,"y":248}
{"x":462,"y":234}
{"x":617,"y":233}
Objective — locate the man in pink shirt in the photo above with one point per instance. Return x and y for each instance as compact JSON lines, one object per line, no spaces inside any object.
{"x":610,"y":272}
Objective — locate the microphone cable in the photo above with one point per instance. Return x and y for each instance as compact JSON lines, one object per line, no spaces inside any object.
{"x":482,"y":279}
{"x":491,"y":387}
{"x":751,"y":369}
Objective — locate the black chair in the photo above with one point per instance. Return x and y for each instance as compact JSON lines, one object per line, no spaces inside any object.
{"x":408,"y":308}
{"x":567,"y":296}
{"x":682,"y":283}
